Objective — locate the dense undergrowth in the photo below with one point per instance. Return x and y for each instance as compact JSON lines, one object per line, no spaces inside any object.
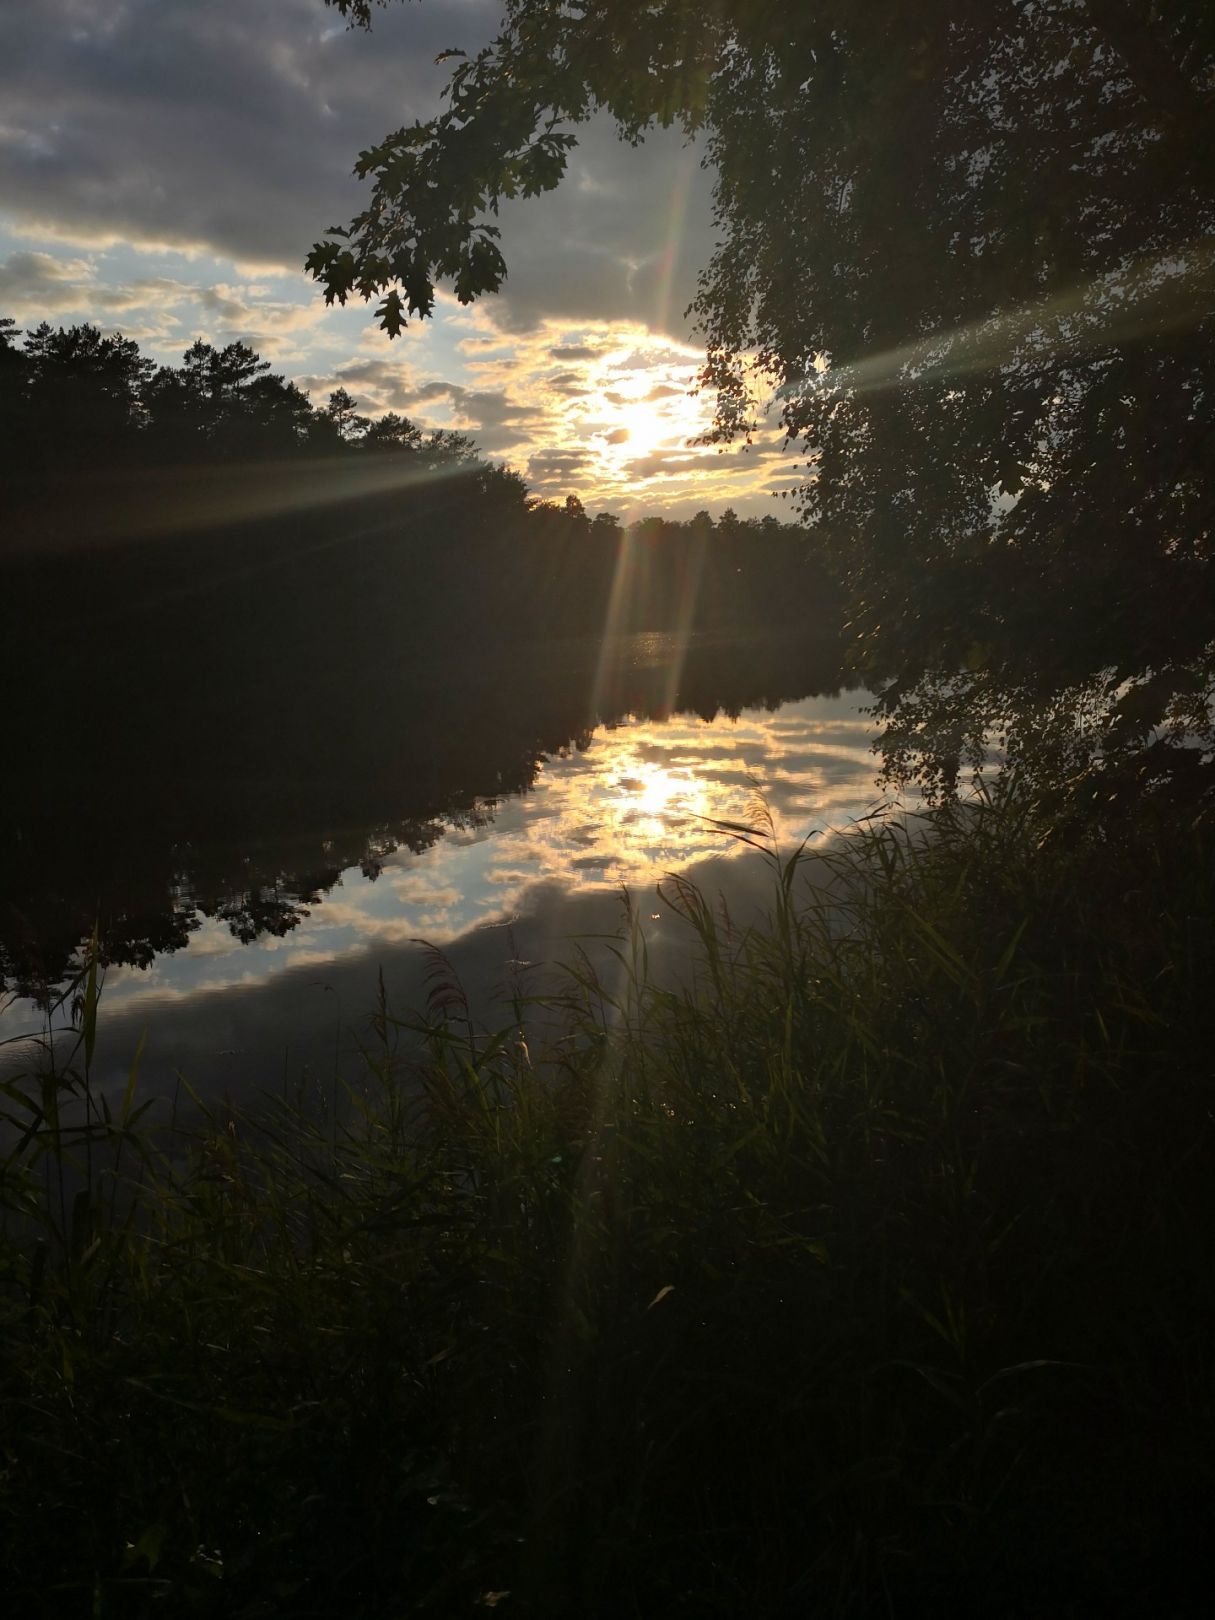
{"x":870,"y":1272}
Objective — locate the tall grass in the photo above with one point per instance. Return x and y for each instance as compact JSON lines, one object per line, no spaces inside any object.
{"x":866,"y":1270}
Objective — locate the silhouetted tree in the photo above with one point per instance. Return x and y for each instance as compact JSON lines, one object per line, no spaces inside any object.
{"x":447,"y":448}
{"x":14,"y":371}
{"x":278,"y":415}
{"x":967,"y":249}
{"x":84,"y":392}
{"x":393,"y":432}
{"x":341,"y":411}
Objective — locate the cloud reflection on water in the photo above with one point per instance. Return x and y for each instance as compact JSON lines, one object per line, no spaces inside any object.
{"x":635,"y":804}
{"x":638,"y":802}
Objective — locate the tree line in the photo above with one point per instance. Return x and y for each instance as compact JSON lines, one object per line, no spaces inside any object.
{"x":77,"y":398}
{"x":101,"y":443}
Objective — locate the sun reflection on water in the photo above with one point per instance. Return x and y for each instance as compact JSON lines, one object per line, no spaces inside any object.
{"x":665,"y":794}
{"x":641,"y":801}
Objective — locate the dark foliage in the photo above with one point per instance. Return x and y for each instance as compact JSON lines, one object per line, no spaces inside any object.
{"x":966,"y":249}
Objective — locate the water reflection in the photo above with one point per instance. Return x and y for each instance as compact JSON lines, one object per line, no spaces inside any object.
{"x":250,"y":806}
{"x":637,"y":800}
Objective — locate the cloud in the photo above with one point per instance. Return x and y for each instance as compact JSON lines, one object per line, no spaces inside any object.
{"x":229,"y":125}
{"x":637,"y":803}
{"x":431,"y":390}
{"x":220,"y":302}
{"x":244,"y":309}
{"x":570,"y":384}
{"x":558,"y":464}
{"x":31,"y":281}
{"x":233,"y":128}
{"x":161,"y":310}
{"x":660,"y":465}
{"x":378,"y":385}
{"x":35,"y":284}
{"x":473,"y":407}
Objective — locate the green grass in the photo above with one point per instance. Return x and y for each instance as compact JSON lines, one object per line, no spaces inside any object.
{"x":868,"y":1273}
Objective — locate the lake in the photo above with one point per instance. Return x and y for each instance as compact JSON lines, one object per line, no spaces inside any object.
{"x":492,"y":811}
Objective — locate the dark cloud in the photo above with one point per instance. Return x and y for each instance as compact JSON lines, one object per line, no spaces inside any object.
{"x":482,"y":408}
{"x":505,"y":443}
{"x":497,"y":423}
{"x":234,"y":126}
{"x":571,"y":383}
{"x":640,"y":472}
{"x":224,"y":124}
{"x":374,"y":373}
{"x":574,"y":351}
{"x":389,"y":381}
{"x":557,"y":463}
{"x":623,"y":238}
{"x":223,"y":304}
{"x":618,"y":436}
{"x":473,"y":407}
{"x":664,"y":463}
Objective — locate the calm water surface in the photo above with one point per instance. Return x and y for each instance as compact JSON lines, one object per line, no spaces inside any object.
{"x":520,"y":876}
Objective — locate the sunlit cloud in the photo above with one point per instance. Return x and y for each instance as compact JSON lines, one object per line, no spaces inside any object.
{"x":163,"y":170}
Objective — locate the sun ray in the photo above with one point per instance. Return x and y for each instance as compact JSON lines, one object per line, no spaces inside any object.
{"x":677,"y":220}
{"x":616,"y":619}
{"x":1150,"y":296}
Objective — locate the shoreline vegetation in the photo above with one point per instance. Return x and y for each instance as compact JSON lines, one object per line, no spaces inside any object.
{"x":868,"y":1272}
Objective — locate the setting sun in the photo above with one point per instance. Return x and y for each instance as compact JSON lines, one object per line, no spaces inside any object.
{"x":650,"y":407}
{"x":644,"y":424}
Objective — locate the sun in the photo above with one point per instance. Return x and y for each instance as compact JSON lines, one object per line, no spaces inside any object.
{"x":645,"y":418}
{"x":648,"y":427}
{"x":645,"y":402}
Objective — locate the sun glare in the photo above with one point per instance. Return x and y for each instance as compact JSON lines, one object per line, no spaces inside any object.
{"x":642,"y":425}
{"x":647,"y":426}
{"x":638,"y":407}
{"x":659,"y":798}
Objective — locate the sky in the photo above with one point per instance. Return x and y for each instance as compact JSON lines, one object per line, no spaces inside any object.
{"x":165,"y":166}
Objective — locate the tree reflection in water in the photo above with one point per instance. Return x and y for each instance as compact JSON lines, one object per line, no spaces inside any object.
{"x":248,"y":811}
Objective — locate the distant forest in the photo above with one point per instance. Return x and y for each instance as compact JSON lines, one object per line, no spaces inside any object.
{"x":256,"y":642}
{"x":102,"y":446}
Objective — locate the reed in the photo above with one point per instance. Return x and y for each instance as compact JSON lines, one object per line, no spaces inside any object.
{"x":867,"y":1270}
